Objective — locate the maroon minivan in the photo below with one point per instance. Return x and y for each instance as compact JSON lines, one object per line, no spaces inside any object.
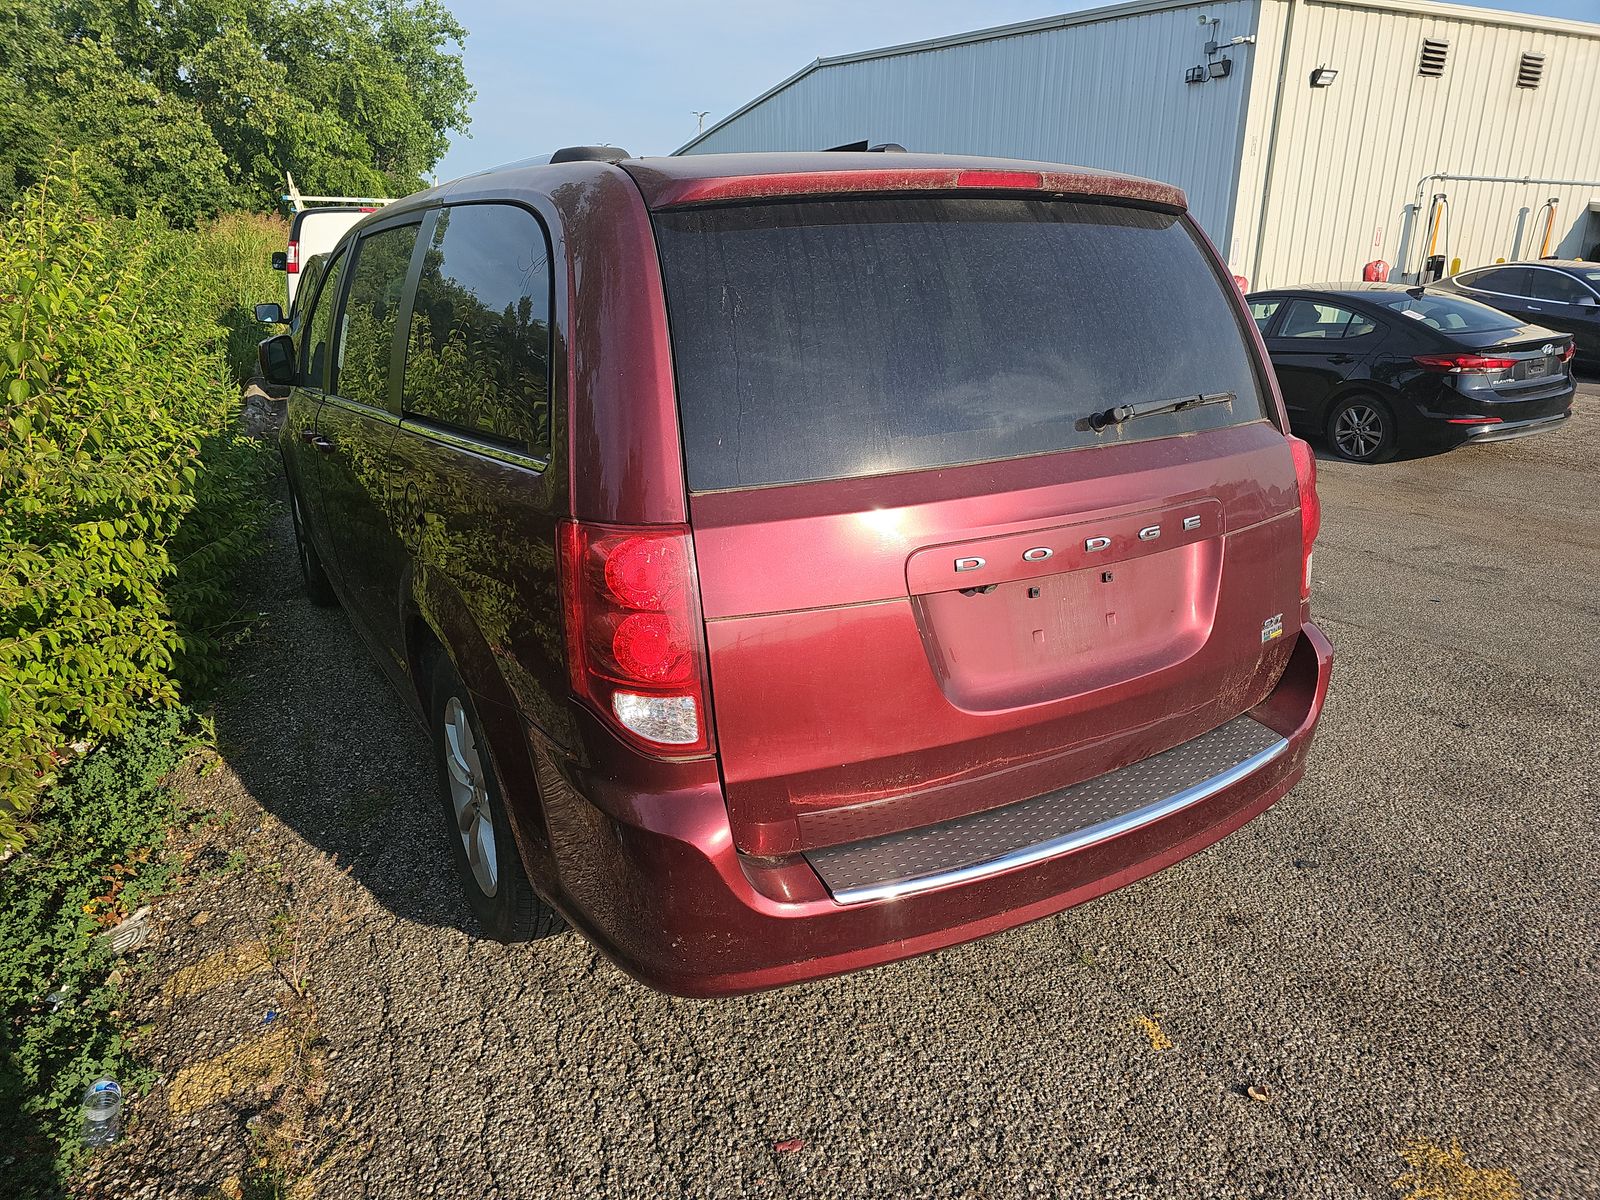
{"x":807,"y":561}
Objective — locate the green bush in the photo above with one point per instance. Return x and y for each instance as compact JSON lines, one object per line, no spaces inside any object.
{"x":128,"y":501}
{"x":98,"y":851}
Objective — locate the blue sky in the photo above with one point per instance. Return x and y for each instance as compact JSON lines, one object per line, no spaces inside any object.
{"x":632,"y":73}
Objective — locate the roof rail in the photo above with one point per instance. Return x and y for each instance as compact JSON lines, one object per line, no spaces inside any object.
{"x":607,"y":154}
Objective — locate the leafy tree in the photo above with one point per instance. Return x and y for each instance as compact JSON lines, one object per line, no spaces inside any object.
{"x":204,"y":104}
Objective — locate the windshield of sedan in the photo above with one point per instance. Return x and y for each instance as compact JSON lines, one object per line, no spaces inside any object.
{"x":1449,"y":314}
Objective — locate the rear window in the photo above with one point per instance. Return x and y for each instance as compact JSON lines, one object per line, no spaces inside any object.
{"x":1449,"y":314}
{"x":833,"y":339}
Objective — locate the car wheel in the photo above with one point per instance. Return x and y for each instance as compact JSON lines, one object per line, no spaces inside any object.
{"x":1361,"y":428}
{"x":481,"y":843}
{"x":319,"y":588}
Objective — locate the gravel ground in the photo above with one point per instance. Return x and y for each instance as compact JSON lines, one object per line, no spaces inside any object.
{"x":1399,"y":956}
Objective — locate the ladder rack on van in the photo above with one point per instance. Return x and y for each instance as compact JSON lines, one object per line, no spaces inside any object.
{"x":299,"y":203}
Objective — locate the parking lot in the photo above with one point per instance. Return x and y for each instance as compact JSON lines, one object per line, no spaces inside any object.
{"x":1400,"y":956}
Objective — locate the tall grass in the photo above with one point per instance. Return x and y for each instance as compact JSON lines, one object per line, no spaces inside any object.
{"x":234,"y":255}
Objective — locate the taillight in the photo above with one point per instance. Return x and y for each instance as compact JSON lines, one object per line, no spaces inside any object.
{"x":1566,"y":355}
{"x":999,"y":179}
{"x":635,"y":643}
{"x":291,"y":264}
{"x":1305,"y":478}
{"x":1463,"y":364}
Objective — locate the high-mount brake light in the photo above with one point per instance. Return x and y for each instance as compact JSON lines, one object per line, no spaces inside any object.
{"x":999,"y":179}
{"x":635,"y":643}
{"x":1463,"y":364}
{"x":1305,"y":478}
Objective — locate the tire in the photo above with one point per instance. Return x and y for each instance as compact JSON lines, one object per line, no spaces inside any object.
{"x":1362,"y":429}
{"x":481,"y":843}
{"x":319,"y":588}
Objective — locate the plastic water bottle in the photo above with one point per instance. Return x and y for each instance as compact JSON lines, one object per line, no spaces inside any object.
{"x":102,"y":1112}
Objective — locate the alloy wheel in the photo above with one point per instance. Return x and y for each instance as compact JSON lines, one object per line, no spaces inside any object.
{"x":1359,"y":431}
{"x":469,"y":797}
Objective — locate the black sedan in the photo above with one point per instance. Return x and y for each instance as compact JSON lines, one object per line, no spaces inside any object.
{"x":1560,"y":294}
{"x":1375,"y":367}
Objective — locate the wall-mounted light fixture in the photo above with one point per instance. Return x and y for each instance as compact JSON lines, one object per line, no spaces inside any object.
{"x":1220,"y":68}
{"x":1323,"y":77}
{"x":1195,"y":75}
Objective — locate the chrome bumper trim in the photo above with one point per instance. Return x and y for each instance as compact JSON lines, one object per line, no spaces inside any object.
{"x":1512,"y":430}
{"x":1075,"y":839}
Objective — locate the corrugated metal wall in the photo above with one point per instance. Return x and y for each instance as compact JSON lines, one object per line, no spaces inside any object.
{"x":1348,"y":157}
{"x":1108,"y":93}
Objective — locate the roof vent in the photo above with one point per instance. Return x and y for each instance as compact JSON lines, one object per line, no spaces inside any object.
{"x":607,"y":154}
{"x":1434,"y":51}
{"x":1530,"y":71}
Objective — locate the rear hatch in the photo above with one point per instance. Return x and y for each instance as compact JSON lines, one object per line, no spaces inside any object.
{"x":932,"y":585}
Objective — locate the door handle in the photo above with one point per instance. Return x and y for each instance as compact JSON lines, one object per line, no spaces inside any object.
{"x":1341,"y":358}
{"x":314,"y":439}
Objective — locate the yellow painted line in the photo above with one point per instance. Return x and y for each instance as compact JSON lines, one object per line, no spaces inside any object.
{"x":1152,"y":1030}
{"x":1439,"y":1174}
{"x":261,"y":1061}
{"x":226,"y":965}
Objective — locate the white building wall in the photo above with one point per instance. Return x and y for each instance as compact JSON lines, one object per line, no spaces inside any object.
{"x":1103,"y":89}
{"x":1347,"y":158}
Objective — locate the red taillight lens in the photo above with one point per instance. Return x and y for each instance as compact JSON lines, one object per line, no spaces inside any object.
{"x":1305,"y":478}
{"x":291,"y":263}
{"x":635,"y":642}
{"x":1572,"y":348}
{"x":999,"y":179}
{"x":1463,"y":364}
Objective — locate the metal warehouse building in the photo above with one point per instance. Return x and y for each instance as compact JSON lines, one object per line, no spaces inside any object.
{"x":1312,"y":136}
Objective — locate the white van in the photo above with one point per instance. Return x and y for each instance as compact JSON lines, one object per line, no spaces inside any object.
{"x":314,"y":231}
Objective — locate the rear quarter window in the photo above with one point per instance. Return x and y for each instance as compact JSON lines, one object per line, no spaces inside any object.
{"x":833,"y":339}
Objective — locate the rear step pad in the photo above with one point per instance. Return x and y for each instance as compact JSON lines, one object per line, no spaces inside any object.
{"x":1030,"y":831}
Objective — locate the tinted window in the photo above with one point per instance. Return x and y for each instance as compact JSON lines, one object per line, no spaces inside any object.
{"x":1508,"y":281}
{"x":1451,"y":314}
{"x":478,"y":356}
{"x":1316,"y":319}
{"x":1262,"y":311}
{"x":314,"y":364}
{"x":1553,"y":285}
{"x":1590,"y":276}
{"x":831,"y":339}
{"x":371,"y":312}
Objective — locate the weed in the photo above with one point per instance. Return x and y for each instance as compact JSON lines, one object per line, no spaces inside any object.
{"x":100,"y":848}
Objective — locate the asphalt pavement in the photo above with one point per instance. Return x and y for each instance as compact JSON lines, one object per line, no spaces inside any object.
{"x":1388,"y":978}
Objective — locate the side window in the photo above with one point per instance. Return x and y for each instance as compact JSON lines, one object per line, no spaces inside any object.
{"x":1262,"y":311}
{"x":478,"y":354}
{"x":1508,"y":281}
{"x":371,"y":313}
{"x":1554,"y":286}
{"x":314,"y":347}
{"x":1314,"y":319}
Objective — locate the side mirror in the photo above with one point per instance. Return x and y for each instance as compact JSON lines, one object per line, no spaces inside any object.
{"x":276,"y":357}
{"x":271,"y":314}
{"x":280,"y":261}
{"x":1588,"y":302}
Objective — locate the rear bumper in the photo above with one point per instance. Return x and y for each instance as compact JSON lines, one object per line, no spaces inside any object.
{"x":1454,"y":416}
{"x":664,"y":893}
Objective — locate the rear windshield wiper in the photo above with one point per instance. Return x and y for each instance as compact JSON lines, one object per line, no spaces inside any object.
{"x":1116,"y":415}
